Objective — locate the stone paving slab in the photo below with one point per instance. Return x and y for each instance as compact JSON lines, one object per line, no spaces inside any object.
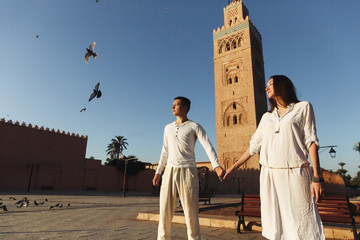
{"x":91,"y":216}
{"x":94,"y":215}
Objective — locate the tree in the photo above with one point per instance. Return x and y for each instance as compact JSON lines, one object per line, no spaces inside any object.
{"x":342,"y":164}
{"x":342,"y":172}
{"x":116,"y":147}
{"x":133,"y":165}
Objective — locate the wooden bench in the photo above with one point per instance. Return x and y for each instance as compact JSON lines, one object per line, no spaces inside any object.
{"x":250,"y":207}
{"x":205,"y":197}
{"x":334,"y":209}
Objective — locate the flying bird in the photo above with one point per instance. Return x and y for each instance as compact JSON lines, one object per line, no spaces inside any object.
{"x":12,"y":198}
{"x":97,"y":0}
{"x":84,"y":109}
{"x":165,"y":10}
{"x":90,"y":52}
{"x":37,"y":36}
{"x":96,"y":93}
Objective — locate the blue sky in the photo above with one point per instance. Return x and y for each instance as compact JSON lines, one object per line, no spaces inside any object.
{"x":151,"y":51}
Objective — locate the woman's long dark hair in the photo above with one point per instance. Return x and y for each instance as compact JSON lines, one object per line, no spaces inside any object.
{"x":284,"y":88}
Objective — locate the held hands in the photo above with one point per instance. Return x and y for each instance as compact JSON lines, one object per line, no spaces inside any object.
{"x":228,"y":171}
{"x":220,"y":172}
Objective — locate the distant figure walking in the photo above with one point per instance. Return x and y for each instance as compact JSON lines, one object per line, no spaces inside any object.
{"x":289,"y":191}
{"x":181,"y":176}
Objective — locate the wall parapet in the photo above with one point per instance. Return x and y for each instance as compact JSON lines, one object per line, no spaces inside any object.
{"x":42,"y":128}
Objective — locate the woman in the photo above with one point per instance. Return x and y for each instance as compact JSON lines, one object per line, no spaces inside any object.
{"x":289,"y":189}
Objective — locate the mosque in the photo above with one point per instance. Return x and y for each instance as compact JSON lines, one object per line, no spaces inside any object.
{"x":37,"y":158}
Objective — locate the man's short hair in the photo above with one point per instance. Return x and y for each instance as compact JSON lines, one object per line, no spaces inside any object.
{"x":184,"y":101}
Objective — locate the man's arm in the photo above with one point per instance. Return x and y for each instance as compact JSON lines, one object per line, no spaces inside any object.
{"x":156,"y":180}
{"x":162,"y":162}
{"x":210,"y":151}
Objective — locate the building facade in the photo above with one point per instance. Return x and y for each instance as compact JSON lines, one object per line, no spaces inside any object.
{"x":240,"y":98}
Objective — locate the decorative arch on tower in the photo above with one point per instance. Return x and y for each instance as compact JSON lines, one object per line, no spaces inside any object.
{"x":234,"y":115}
{"x":230,"y":43}
{"x":233,"y":72}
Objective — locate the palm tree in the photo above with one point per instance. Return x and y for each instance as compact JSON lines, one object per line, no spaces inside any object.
{"x":342,"y":164}
{"x":116,"y":147}
{"x":342,"y":172}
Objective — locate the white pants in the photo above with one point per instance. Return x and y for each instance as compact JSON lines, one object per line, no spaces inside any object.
{"x":185,"y":182}
{"x":288,"y":210}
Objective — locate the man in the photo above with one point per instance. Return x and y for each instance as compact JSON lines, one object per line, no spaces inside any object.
{"x":180,"y":176}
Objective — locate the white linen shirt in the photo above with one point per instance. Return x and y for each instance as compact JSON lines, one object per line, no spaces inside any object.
{"x":179,"y":145}
{"x":284,"y":141}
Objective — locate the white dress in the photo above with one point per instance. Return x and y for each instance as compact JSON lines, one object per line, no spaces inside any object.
{"x":288,"y":210}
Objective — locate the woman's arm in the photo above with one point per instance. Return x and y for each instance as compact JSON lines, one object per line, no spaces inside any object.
{"x":317,"y":188}
{"x":238,"y":163}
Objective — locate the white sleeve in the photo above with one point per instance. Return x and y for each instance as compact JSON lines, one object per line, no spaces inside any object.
{"x":309,"y":126}
{"x":164,"y":154}
{"x":205,"y":142}
{"x":256,"y":139}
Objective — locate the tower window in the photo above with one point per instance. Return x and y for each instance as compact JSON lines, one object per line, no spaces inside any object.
{"x":235,"y":119}
{"x":230,"y":81}
{"x":234,"y":105}
{"x":236,"y":79}
{"x":235,"y":19}
{"x":227,"y":121}
{"x":234,"y":44}
{"x":227,"y":48}
{"x":230,"y":22}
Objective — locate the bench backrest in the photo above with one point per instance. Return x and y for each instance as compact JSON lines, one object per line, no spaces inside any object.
{"x":250,"y":202}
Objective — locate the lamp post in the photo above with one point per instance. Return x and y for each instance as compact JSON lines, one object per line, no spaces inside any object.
{"x":126,"y":160}
{"x":332,"y":151}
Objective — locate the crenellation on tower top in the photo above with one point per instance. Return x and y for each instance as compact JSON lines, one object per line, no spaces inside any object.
{"x":236,"y":13}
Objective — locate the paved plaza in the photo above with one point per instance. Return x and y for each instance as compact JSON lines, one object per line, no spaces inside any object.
{"x":92,"y":215}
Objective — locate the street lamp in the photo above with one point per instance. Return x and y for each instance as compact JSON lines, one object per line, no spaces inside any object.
{"x":332,"y":151}
{"x":126,"y":161}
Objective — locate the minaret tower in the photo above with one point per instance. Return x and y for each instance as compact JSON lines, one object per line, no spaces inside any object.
{"x":240,"y":98}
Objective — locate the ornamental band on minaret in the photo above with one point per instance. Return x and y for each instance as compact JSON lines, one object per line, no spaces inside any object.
{"x":240,"y":98}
